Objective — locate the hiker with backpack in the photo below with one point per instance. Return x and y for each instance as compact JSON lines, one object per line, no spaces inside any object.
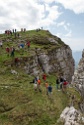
{"x":61,"y":82}
{"x":57,"y":82}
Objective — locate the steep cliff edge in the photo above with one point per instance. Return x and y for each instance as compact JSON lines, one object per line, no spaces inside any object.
{"x":47,"y":53}
{"x":58,"y":61}
{"x":78,"y":80}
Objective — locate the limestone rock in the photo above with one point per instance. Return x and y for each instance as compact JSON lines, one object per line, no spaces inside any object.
{"x":58,"y":60}
{"x":78,"y":80}
{"x":70,"y":116}
{"x":14,"y":72}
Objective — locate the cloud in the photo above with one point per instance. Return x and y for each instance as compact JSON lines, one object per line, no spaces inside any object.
{"x":69,"y":34}
{"x":27,"y":14}
{"x":65,"y":27}
{"x":48,"y":1}
{"x":75,"y":44}
{"x":61,"y":24}
{"x":75,"y":5}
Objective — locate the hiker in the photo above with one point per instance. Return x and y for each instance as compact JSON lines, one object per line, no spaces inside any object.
{"x":46,"y":85}
{"x":24,"y":30}
{"x":38,"y":85}
{"x":10,"y":32}
{"x":28,"y":44}
{"x":16,"y":61}
{"x":34,"y":80}
{"x":22,"y":45}
{"x":13,"y":30}
{"x":61,"y":82}
{"x":18,"y":35}
{"x":1,"y":43}
{"x":12,"y":51}
{"x":64,"y":87}
{"x":44,"y":77}
{"x":57,"y":83}
{"x":49,"y":89}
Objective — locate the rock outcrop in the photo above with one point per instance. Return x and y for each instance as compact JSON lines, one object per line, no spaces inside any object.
{"x":58,"y":61}
{"x":50,"y":55}
{"x":78,"y":80}
{"x":70,"y":116}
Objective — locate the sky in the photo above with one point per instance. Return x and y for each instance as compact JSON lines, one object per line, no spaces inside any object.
{"x":62,"y":18}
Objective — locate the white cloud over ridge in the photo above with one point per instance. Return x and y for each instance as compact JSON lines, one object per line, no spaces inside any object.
{"x":28,"y":14}
{"x":32,"y":14}
{"x":77,"y":6}
{"x":75,"y":44}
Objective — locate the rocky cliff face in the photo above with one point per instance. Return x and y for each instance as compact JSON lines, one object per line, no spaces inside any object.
{"x":70,"y":116}
{"x":48,"y":54}
{"x":78,"y":80}
{"x":58,"y":61}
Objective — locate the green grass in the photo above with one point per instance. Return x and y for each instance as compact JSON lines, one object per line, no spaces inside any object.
{"x":21,"y":105}
{"x":37,"y":39}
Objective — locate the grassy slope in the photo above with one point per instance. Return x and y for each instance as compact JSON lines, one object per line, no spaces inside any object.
{"x":37,"y":39}
{"x":19,"y":103}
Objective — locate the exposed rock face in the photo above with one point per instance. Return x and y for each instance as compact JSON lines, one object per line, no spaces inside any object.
{"x":70,"y":116}
{"x":78,"y":80}
{"x":53,"y":57}
{"x":54,"y":61}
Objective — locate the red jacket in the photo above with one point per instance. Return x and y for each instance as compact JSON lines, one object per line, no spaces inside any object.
{"x":28,"y":43}
{"x":65,"y":83}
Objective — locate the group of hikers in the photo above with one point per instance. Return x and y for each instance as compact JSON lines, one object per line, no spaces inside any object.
{"x":61,"y":84}
{"x":37,"y":84}
{"x":14,"y":31}
{"x":11,"y":50}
